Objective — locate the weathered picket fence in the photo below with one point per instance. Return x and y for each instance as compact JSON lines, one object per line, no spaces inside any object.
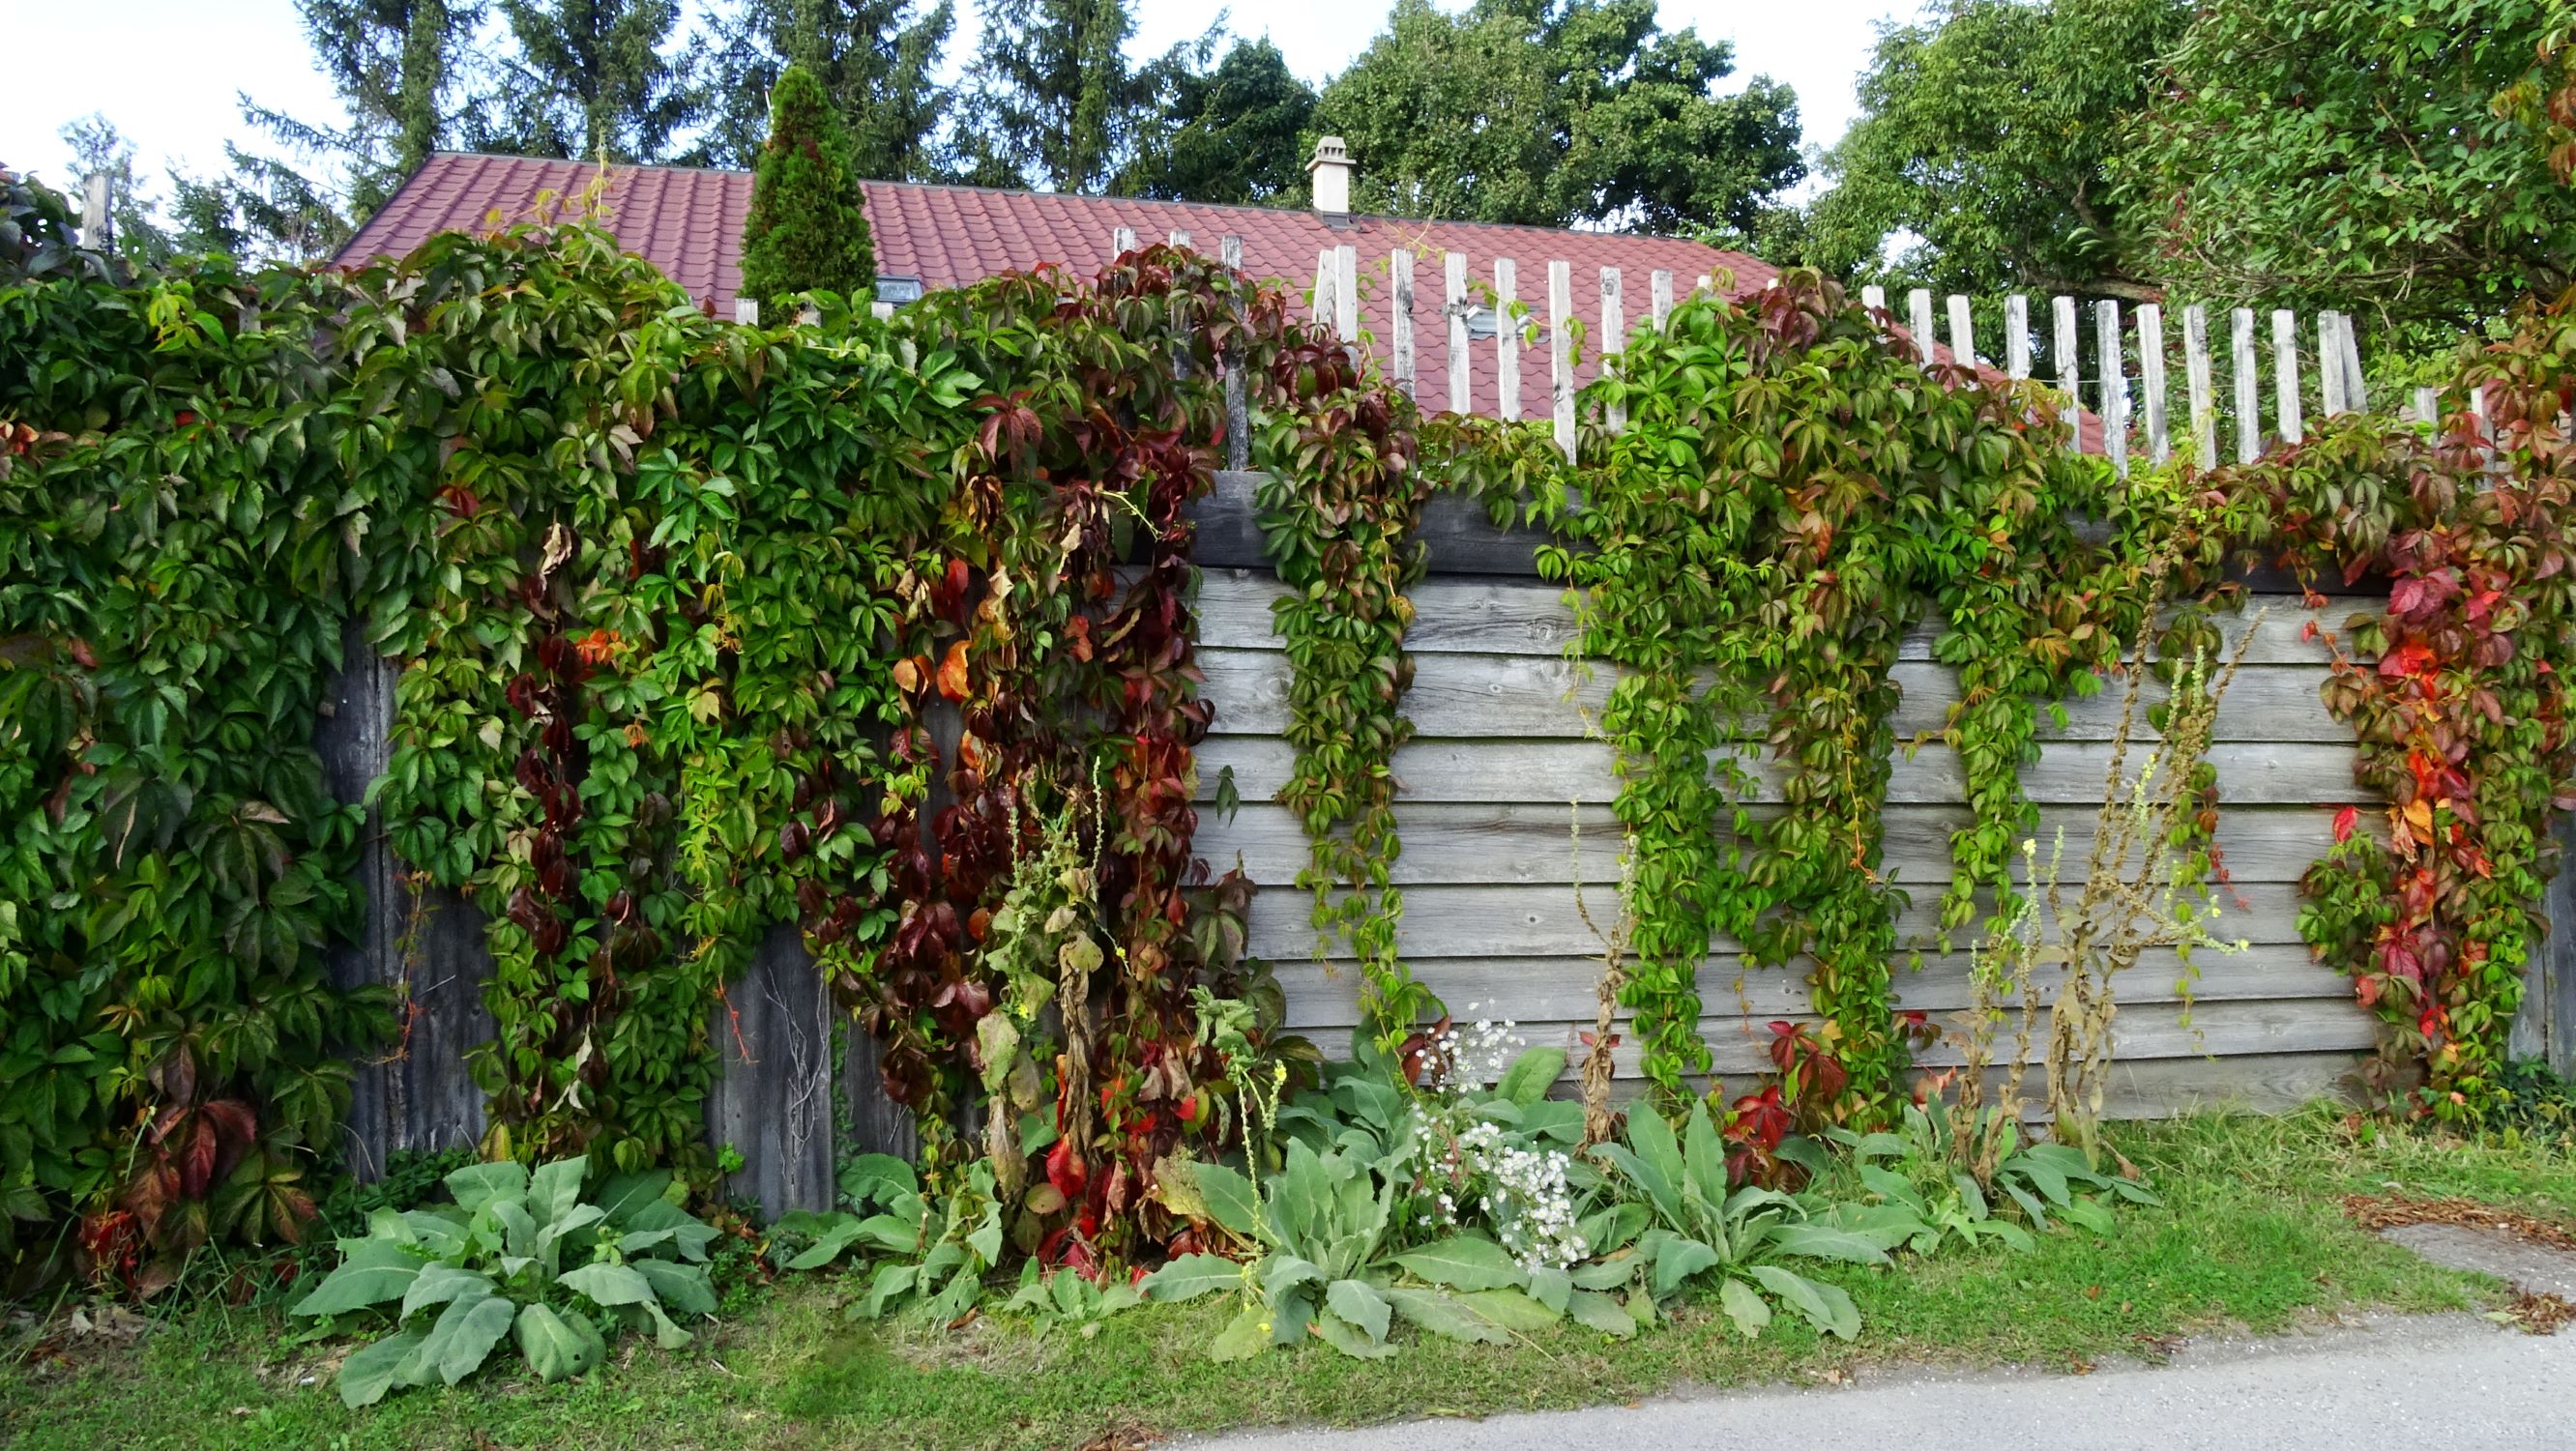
{"x":1505,"y":805}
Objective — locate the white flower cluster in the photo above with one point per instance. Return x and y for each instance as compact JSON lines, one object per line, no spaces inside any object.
{"x":1522,"y":1193}
{"x":1470,"y":1059}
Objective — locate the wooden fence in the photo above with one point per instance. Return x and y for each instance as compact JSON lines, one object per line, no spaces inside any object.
{"x":1494,"y":786}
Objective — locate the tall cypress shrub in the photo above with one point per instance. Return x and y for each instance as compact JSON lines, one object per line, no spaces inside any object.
{"x":808,"y":230}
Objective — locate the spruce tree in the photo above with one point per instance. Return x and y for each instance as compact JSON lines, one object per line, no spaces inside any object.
{"x":808,"y":228}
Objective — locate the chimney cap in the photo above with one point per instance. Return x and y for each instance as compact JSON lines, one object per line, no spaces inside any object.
{"x":1329,"y":151}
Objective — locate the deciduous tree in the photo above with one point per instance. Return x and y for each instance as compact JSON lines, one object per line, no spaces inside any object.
{"x":1559,"y":111}
{"x":1237,"y":133}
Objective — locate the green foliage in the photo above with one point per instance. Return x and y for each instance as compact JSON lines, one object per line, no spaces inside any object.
{"x":38,"y":233}
{"x":1338,"y":510}
{"x":1917,"y":1168}
{"x":2435,"y":908}
{"x":1552,"y":112}
{"x":175,"y":550}
{"x":1235,"y":134}
{"x":2364,"y":155}
{"x":517,"y":1255}
{"x":807,"y":230}
{"x":1697,"y":1226}
{"x":1791,"y":493}
{"x":1986,"y":135}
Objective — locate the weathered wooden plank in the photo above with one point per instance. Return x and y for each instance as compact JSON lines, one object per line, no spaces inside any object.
{"x":2330,"y":374}
{"x":1507,"y":339}
{"x":1534,"y":697}
{"x":2247,"y":374}
{"x":1659,"y":295}
{"x":1739,"y":1046}
{"x":1461,"y":843}
{"x":1346,"y":293}
{"x":773,"y":1099}
{"x":1531,"y":617}
{"x":1324,"y":282}
{"x":1238,"y":412}
{"x":2156,"y":1088}
{"x":1566,"y":989}
{"x":1918,"y":316}
{"x":1963,"y":331}
{"x":1564,"y":771}
{"x":1400,"y":282}
{"x":2285,"y":375}
{"x":1544,"y":921}
{"x":1560,"y":351}
{"x":2115,"y":386}
{"x":2062,"y":310}
{"x":2204,"y":400}
{"x":415,"y":1093}
{"x":2016,"y":337}
{"x":1614,"y":338}
{"x":1454,"y":288}
{"x":2151,"y":380}
{"x":877,"y":1124}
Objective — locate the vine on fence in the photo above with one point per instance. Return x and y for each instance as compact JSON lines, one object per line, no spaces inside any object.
{"x":173,"y":566}
{"x":2462,"y":716}
{"x":1790,"y":495}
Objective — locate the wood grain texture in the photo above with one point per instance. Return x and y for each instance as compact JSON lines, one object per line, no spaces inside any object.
{"x":2066,"y":773}
{"x":414,"y":1094}
{"x":1511,"y":616}
{"x":773,"y":1099}
{"x":1539,"y":697}
{"x":1545,"y":921}
{"x":1738,"y":1046}
{"x":1561,"y":989}
{"x":1534,"y":842}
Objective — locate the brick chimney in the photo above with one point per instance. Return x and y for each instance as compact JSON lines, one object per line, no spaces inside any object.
{"x":1331,"y":170}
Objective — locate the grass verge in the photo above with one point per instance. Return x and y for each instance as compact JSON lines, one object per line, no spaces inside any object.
{"x":2251,"y":1236}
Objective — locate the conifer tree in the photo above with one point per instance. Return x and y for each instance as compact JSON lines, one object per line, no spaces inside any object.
{"x":808,"y":229}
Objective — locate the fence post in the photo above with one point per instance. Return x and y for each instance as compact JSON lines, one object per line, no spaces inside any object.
{"x":1461,"y":379}
{"x":2151,"y":379}
{"x":2070,"y":372}
{"x":1659,"y":295}
{"x":1560,"y":351}
{"x":746,"y":310}
{"x":2249,"y":386}
{"x":1614,"y":337}
{"x":2285,"y":373}
{"x":2016,"y":337}
{"x":2204,"y":407}
{"x":1963,"y":332}
{"x":1324,"y":285}
{"x":1507,"y":339}
{"x":1401,"y":287}
{"x":98,"y":221}
{"x":1918,"y":315}
{"x":1179,"y":239}
{"x":2115,"y":386}
{"x":1122,"y":241}
{"x":2356,"y":388}
{"x":1346,"y":296}
{"x":1238,"y":413}
{"x":1874,"y":297}
{"x":2330,"y":361}
{"x":2428,"y":407}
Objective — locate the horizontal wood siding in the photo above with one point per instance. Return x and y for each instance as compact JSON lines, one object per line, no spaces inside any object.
{"x":1505,"y":809}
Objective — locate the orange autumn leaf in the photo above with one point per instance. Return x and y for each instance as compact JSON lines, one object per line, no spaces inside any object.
{"x":596,"y":646}
{"x":952,"y":672}
{"x":907,"y":675}
{"x":2419,"y":820}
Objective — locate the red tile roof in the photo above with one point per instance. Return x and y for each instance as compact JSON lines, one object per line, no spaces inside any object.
{"x":689,"y":224}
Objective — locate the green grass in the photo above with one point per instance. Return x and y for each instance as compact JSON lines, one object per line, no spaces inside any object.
{"x":2251,"y":1235}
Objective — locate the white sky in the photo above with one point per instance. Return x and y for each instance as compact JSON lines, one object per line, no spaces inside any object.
{"x":178,"y":63}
